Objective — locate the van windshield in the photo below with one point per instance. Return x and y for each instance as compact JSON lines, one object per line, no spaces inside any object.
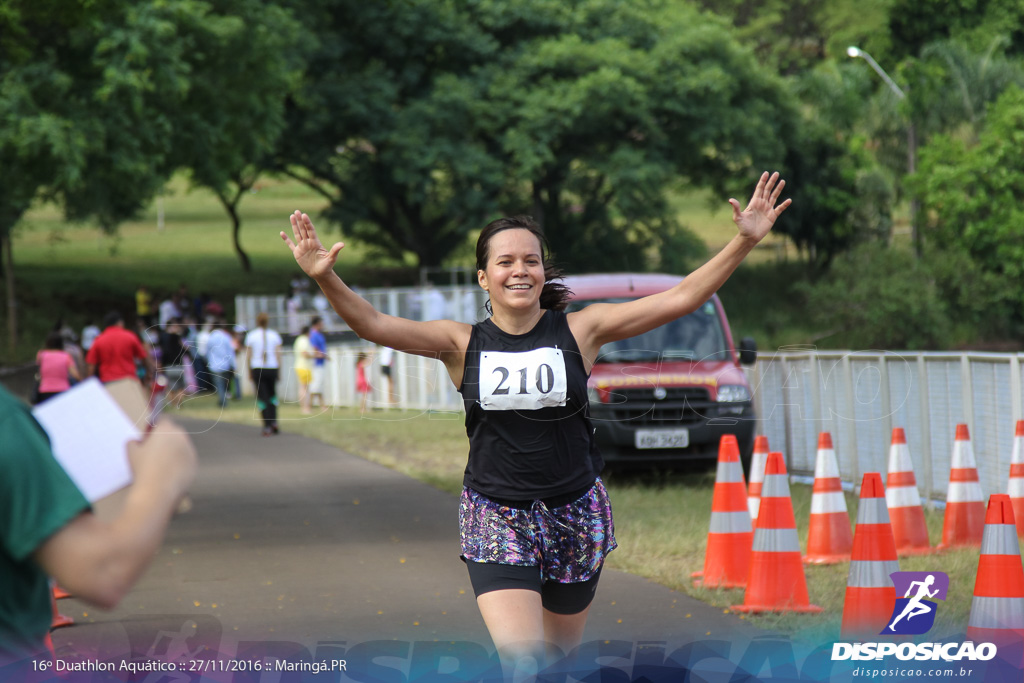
{"x":694,"y":337}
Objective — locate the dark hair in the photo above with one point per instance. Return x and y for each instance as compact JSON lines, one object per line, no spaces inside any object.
{"x":316,"y":320}
{"x":554,"y":295}
{"x":112,"y":318}
{"x":54,"y":341}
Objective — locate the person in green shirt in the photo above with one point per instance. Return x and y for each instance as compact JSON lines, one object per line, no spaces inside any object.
{"x":47,"y":528}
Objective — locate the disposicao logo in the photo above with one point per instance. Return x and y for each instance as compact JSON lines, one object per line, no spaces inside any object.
{"x":914,"y":613}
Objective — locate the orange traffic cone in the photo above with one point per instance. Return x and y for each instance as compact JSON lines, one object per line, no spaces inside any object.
{"x":757,"y":462}
{"x":997,"y":611}
{"x":905,"y":512}
{"x":1016,"y":485}
{"x":60,"y":593}
{"x":964,"y":520}
{"x":829,"y":538}
{"x":776,"y":582}
{"x":870,"y":593}
{"x":727,"y":560}
{"x":58,"y":618}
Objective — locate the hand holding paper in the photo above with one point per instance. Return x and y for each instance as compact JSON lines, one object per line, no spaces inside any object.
{"x":165,"y":460}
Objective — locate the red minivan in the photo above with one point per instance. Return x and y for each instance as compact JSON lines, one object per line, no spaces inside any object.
{"x":670,"y":394}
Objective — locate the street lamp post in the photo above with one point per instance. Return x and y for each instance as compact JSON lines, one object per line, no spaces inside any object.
{"x":855,"y":52}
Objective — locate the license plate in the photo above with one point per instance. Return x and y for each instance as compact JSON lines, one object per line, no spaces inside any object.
{"x":662,"y":438}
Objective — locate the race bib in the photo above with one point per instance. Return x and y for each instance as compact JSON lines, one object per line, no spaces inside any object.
{"x":527,"y":380}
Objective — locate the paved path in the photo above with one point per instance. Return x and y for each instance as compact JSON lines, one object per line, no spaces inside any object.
{"x":293,"y":541}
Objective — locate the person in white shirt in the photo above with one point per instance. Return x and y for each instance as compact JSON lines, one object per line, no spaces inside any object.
{"x":169,"y":310}
{"x":89,"y":334}
{"x":263,"y":361}
{"x":220,"y":359}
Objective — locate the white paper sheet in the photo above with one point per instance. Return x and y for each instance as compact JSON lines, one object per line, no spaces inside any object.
{"x":89,"y":434}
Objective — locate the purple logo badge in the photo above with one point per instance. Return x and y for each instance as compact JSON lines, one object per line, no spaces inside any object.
{"x":914,"y":613}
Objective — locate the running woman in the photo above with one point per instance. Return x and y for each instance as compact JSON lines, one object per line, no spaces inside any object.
{"x":535,"y":520}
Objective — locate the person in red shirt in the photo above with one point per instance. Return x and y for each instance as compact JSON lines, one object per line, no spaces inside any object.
{"x":113,"y":354}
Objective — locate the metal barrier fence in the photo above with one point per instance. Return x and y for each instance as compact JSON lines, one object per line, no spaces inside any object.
{"x":462,"y":303}
{"x":420,"y":384}
{"x":861,"y":396}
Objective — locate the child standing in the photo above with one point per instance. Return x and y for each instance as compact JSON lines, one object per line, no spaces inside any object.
{"x":362,"y":386}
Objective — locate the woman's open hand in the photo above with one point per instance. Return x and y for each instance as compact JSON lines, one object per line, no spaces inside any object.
{"x":307,"y":249}
{"x":757,"y":219}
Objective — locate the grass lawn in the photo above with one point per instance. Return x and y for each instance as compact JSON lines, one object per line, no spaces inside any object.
{"x":75,"y":271}
{"x":662,"y":518}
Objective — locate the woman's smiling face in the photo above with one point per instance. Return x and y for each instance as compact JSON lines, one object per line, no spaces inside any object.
{"x":515,"y":269}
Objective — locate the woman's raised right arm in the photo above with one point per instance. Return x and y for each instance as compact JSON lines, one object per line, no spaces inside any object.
{"x":436,"y":338}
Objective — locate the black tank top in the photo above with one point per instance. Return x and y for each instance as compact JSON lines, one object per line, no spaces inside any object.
{"x":527,"y":415}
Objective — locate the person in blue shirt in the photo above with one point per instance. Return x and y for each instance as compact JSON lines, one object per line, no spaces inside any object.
{"x":319,"y":344}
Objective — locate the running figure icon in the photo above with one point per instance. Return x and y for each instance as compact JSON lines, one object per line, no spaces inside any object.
{"x":915,"y":606}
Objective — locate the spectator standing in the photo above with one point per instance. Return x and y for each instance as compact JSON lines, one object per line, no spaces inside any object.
{"x":303,"y":353}
{"x":220,"y":359}
{"x":73,"y":349}
{"x":362,"y":385}
{"x":263,"y":358}
{"x":199,"y":358}
{"x":144,"y":305}
{"x":114,"y":353}
{"x":238,"y":342}
{"x":322,"y":308}
{"x":387,"y":362}
{"x":89,"y":334}
{"x":189,"y":334}
{"x":435,"y":305}
{"x":169,"y":310}
{"x":150,"y":338}
{"x":55,"y":367}
{"x":173,"y":357}
{"x":292,"y":307}
{"x":319,"y":344}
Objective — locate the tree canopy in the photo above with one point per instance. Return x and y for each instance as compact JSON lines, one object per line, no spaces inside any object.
{"x":421,"y":120}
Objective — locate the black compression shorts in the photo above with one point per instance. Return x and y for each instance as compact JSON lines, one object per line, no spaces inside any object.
{"x":560,"y":598}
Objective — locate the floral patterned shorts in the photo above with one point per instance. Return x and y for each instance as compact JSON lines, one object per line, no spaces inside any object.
{"x":567,"y":542}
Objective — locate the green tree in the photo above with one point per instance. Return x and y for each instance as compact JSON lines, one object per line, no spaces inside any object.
{"x":842,"y":195}
{"x":797,"y":35}
{"x":601,"y":119}
{"x":84,"y":96}
{"x":385,"y":123}
{"x":101,"y":102}
{"x":877,"y":297}
{"x":421,"y":120}
{"x":954,"y":84}
{"x":915,"y":24}
{"x":245,"y":62}
{"x":971,"y":194}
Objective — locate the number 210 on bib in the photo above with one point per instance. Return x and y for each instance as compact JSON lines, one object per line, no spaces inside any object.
{"x":525,"y":380}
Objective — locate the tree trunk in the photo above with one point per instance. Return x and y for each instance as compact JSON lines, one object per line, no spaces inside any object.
{"x":235,"y":230}
{"x":7,"y":247}
{"x":231,"y":206}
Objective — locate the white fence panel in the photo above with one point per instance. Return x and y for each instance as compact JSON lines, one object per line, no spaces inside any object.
{"x":861,"y":396}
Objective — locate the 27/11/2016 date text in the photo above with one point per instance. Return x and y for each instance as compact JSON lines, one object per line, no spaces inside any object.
{"x":232,"y":665}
